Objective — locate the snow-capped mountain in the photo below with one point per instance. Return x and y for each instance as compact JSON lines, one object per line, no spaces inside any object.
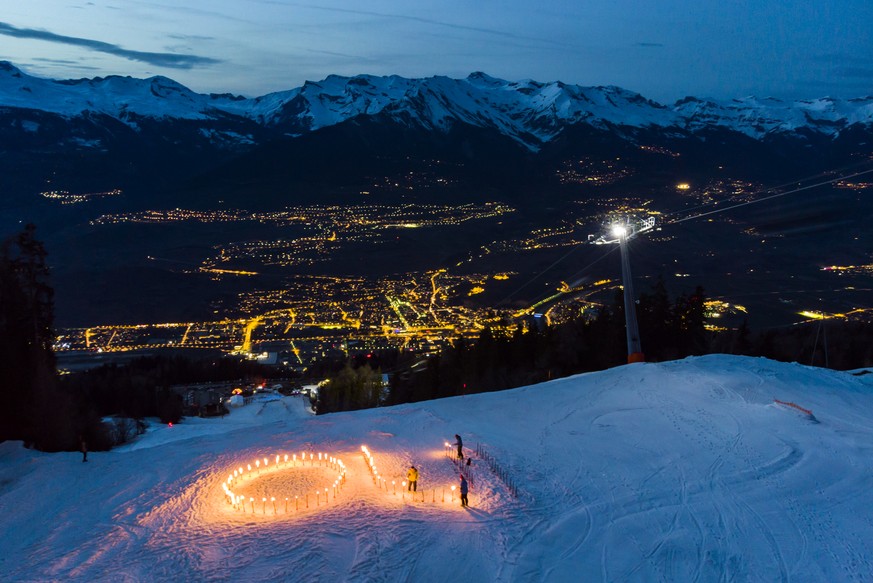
{"x":529,"y":112}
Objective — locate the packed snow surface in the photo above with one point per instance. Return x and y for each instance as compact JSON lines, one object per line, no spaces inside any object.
{"x":680,"y":471}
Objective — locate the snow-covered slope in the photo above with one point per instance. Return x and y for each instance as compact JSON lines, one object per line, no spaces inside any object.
{"x":532,"y":113}
{"x":117,"y":97}
{"x":681,"y":471}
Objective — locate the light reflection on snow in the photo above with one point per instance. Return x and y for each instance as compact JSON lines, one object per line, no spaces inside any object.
{"x":308,"y":479}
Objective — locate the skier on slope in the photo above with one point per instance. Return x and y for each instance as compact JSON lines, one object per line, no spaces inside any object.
{"x":460,"y":445}
{"x":464,"y":489}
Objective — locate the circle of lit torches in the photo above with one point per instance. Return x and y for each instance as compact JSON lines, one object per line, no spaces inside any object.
{"x":280,"y":462}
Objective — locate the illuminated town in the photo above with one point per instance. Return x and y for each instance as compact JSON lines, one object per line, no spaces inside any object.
{"x":311,"y":315}
{"x":295,"y":318}
{"x":65,"y":197}
{"x":419,"y":312}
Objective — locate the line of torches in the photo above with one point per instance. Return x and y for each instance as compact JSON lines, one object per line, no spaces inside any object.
{"x":382,"y":483}
{"x":240,"y":502}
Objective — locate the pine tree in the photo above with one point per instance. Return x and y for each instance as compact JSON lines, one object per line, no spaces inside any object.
{"x":13,"y":350}
{"x":36,"y":411}
{"x":656,"y":323}
{"x":351,"y":389}
{"x":742,"y":343}
{"x":689,"y":319}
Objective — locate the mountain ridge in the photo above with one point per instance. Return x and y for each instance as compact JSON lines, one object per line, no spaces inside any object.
{"x":529,"y":112}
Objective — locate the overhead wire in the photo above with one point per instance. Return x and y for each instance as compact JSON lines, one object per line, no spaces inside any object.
{"x":544,"y":271}
{"x":777,"y":187}
{"x":772,"y":196}
{"x":700,"y":215}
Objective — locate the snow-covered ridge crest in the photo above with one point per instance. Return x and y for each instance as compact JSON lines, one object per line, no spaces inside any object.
{"x":528,"y":111}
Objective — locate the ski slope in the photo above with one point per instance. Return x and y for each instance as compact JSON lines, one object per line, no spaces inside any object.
{"x":678,"y":471}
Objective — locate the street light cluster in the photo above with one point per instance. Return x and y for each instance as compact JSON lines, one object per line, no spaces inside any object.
{"x":247,"y":473}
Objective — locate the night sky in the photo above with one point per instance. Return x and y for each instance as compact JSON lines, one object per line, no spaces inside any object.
{"x":663,"y":49}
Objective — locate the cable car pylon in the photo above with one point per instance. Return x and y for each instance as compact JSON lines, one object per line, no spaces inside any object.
{"x":621,"y":233}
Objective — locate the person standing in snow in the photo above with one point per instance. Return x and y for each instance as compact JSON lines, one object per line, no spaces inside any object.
{"x":412,"y":477}
{"x":460,"y":445}
{"x":464,"y":489}
{"x":83,"y":447}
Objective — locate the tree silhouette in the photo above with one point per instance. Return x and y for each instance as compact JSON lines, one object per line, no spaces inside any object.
{"x":34,"y":409}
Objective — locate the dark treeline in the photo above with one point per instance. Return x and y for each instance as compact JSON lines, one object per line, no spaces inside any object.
{"x":350,"y":389}
{"x":530,"y":354}
{"x":141,"y":388}
{"x":55,"y":413}
{"x":135,"y":390}
{"x":533,"y":354}
{"x":355,"y":381}
{"x":832,"y":344}
{"x":669,"y":329}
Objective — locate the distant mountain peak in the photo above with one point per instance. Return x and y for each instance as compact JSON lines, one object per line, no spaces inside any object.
{"x":479,"y":76}
{"x":7,"y":67}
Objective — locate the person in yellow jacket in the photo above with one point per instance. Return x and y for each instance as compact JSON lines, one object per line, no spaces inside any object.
{"x":412,"y":478}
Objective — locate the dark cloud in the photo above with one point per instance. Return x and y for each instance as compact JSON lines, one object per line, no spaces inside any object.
{"x":190,"y":37}
{"x":170,"y":60}
{"x":648,"y":44}
{"x":55,"y":61}
{"x":357,"y":58}
{"x":37,"y":61}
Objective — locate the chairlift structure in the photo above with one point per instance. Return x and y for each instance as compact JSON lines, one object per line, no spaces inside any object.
{"x":621,"y":233}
